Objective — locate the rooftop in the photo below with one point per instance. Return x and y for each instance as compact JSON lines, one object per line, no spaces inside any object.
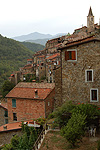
{"x":53,"y":56}
{"x":27,"y":91}
{"x":17,"y":126}
{"x":80,"y":41}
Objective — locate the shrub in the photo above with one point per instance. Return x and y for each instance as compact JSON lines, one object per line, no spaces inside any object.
{"x":98,"y":146}
{"x":63,"y":113}
{"x":74,"y":130}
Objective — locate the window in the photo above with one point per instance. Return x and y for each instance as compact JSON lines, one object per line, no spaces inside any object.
{"x":48,"y":103}
{"x":14,"y":117}
{"x":93,"y":95}
{"x":89,"y":75}
{"x":50,"y":79}
{"x":6,"y":113}
{"x":71,"y":55}
{"x":13,"y":102}
{"x":6,"y":121}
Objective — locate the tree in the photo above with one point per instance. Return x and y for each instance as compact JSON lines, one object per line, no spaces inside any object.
{"x":15,"y":142}
{"x":91,"y":111}
{"x":74,"y":130}
{"x":63,"y":113}
{"x":7,"y":86}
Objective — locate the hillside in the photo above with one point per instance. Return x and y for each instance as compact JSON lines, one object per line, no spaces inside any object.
{"x":54,"y":141}
{"x":12,"y":56}
{"x":39,"y":41}
{"x":32,"y":36}
{"x":33,"y":46}
{"x":37,"y":37}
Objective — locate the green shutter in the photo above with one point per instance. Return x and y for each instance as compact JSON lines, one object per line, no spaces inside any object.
{"x":13,"y":102}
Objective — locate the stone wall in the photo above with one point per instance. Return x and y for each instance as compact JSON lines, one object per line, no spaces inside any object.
{"x":5,"y":137}
{"x":74,"y":86}
{"x":58,"y":98}
{"x":2,"y":118}
{"x":49,"y":103}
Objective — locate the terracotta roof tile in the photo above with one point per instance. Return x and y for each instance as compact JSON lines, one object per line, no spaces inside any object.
{"x":80,"y":41}
{"x":53,"y":56}
{"x":4,"y":105}
{"x":14,"y":126}
{"x":29,"y":92}
{"x":35,"y":85}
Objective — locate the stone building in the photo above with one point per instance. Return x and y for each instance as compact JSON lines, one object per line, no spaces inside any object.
{"x":3,"y":113}
{"x":80,"y":71}
{"x":7,"y":131}
{"x":52,"y":62}
{"x":27,"y":101}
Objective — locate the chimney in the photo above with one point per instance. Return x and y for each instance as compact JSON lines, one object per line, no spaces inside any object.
{"x":5,"y":127}
{"x":36,"y":93}
{"x":33,"y":80}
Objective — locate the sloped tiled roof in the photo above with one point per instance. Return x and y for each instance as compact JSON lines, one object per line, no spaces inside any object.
{"x":80,"y":41}
{"x":35,"y":85}
{"x":14,"y":126}
{"x":4,"y":105}
{"x":53,"y":56}
{"x":28,"y":91}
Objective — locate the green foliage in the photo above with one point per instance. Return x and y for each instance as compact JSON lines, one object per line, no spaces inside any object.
{"x":12,"y":56}
{"x":41,"y":121}
{"x":74,"y":130}
{"x":63,"y":113}
{"x":15,"y":141}
{"x":98,"y":145}
{"x":7,"y":86}
{"x":7,"y":147}
{"x":33,"y":46}
{"x":24,"y":142}
{"x":91,"y":111}
{"x":29,"y":77}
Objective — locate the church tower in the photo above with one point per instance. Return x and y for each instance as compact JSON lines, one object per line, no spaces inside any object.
{"x":90,"y":19}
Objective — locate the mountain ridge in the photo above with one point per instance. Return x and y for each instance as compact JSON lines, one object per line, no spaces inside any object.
{"x":37,"y":37}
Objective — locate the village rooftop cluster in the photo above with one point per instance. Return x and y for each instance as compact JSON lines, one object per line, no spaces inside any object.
{"x":68,"y":69}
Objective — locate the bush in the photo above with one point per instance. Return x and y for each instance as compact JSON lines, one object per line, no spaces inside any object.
{"x":63,"y":113}
{"x":98,"y":146}
{"x":91,"y":111}
{"x":74,"y":130}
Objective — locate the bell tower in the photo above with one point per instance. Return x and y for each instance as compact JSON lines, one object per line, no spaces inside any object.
{"x":90,"y":19}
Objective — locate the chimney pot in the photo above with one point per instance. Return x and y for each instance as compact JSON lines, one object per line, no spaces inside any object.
{"x":5,"y":127}
{"x":36,"y":93}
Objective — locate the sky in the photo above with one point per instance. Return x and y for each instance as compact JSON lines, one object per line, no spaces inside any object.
{"x":22,"y":17}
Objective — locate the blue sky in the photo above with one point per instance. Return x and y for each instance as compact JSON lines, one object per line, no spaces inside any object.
{"x":20,"y":17}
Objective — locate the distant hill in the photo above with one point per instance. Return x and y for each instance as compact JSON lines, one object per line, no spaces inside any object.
{"x":33,"y":46}
{"x":38,"y":41}
{"x":37,"y":37}
{"x":32,"y":36}
{"x":12,"y":56}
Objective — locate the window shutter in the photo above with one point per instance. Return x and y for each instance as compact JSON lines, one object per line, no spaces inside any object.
{"x":13,"y":102}
{"x":66,"y":55}
{"x":73,"y":55}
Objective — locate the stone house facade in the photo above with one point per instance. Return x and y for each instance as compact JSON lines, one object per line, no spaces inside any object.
{"x":7,"y":131}
{"x":52,"y":62}
{"x":30,"y":101}
{"x":3,"y":114}
{"x":80,"y":71}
